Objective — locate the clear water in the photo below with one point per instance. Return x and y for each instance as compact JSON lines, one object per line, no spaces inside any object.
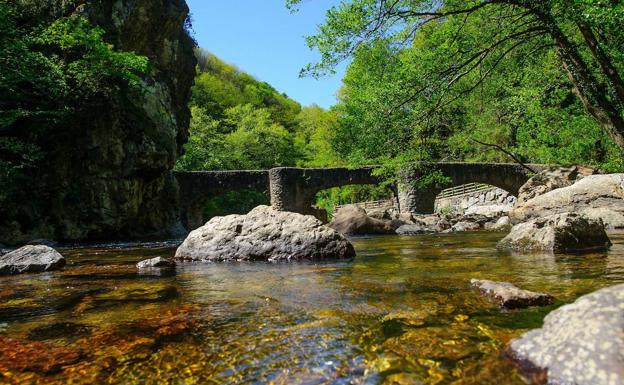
{"x":402,"y":312}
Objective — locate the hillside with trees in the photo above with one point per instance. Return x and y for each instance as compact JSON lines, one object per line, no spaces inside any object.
{"x":239,"y":122}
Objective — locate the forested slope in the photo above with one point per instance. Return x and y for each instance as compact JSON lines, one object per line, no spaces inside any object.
{"x":239,"y":122}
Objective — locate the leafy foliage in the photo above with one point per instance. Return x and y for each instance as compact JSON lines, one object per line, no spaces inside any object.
{"x":428,"y":79}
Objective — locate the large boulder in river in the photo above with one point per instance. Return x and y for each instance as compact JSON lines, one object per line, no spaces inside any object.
{"x":557,"y":233}
{"x":264,"y":234}
{"x":31,"y":259}
{"x":595,"y":196}
{"x":550,"y":179}
{"x":353,"y":220}
{"x":579,"y":344}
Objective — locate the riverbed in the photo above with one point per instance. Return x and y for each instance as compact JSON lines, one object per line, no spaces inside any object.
{"x":401,"y":312}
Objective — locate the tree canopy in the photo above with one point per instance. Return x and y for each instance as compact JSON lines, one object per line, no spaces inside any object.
{"x":429,"y":80}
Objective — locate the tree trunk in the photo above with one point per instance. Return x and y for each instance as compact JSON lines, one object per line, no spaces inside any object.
{"x":606,"y":66}
{"x":590,"y":91}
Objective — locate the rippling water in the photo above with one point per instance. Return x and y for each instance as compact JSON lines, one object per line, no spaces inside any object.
{"x":402,"y":312}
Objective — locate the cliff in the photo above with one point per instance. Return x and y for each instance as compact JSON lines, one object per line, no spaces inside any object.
{"x":106,"y":173}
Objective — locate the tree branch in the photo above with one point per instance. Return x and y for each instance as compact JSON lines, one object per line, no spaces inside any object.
{"x":509,"y":154}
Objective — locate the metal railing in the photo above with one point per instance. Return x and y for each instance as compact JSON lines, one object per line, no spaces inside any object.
{"x":466,"y":189}
{"x":382,"y":204}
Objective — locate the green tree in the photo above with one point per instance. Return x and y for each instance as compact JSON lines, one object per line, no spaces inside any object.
{"x":256,"y":142}
{"x":315,"y":136}
{"x":427,"y":78}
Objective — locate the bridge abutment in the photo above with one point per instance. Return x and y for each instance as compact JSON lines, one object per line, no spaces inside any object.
{"x":414,"y":200}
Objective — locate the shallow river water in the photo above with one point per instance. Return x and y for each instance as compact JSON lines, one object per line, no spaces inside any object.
{"x":402,"y":312}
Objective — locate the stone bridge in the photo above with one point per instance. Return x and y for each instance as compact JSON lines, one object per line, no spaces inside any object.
{"x":294,"y":189}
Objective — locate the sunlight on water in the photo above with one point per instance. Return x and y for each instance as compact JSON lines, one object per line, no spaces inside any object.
{"x":402,"y":312}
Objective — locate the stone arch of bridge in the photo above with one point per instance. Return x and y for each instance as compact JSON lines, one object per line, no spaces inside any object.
{"x":507,"y":176}
{"x":295,"y":189}
{"x":197,"y":188}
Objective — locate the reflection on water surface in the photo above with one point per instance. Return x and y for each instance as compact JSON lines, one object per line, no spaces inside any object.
{"x":402,"y":312}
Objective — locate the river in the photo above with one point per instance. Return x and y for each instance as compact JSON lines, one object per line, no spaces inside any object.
{"x":402,"y":312}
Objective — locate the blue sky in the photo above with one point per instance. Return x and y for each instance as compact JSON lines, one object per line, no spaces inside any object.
{"x":264,"y":39}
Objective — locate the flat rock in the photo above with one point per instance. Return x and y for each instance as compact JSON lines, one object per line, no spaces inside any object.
{"x":510,"y":296}
{"x":31,"y":259}
{"x":566,"y":232}
{"x":493,"y":210}
{"x":466,"y":226}
{"x":595,"y":196}
{"x":264,"y":234}
{"x":158,"y":262}
{"x":414,"y":229}
{"x":580,"y":344}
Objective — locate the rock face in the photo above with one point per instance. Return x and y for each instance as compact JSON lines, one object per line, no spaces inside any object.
{"x":557,"y":233}
{"x":264,"y":234}
{"x":31,"y":259}
{"x":510,"y":296}
{"x":595,"y":196}
{"x":353,"y":220}
{"x":580,"y":343}
{"x":551,"y":179}
{"x":107,"y":173}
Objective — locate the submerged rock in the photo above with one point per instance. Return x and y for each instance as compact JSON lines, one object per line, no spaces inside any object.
{"x":31,"y":259}
{"x":353,"y":220}
{"x":58,"y":330}
{"x":264,"y":234}
{"x":159,"y":267}
{"x":156,"y":263}
{"x":581,"y":343}
{"x":510,"y":296}
{"x":558,"y":233}
{"x":595,"y":196}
